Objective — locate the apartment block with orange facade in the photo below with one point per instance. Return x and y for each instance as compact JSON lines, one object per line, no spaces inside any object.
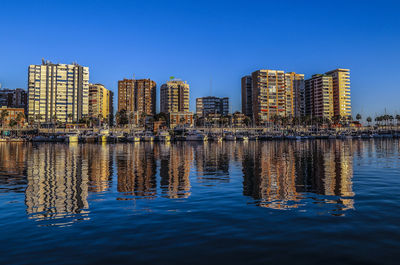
{"x":13,"y":114}
{"x":273,"y":92}
{"x":137,"y":96}
{"x":319,"y":96}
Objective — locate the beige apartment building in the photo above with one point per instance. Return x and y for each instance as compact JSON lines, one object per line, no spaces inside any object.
{"x":328,"y":95}
{"x":100,"y":101}
{"x":174,"y":96}
{"x":58,"y":92}
{"x":341,"y":92}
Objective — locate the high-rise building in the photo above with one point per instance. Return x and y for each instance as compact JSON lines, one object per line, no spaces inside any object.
{"x":341,"y":92}
{"x":137,"y":96}
{"x":273,"y":92}
{"x":319,"y":96}
{"x":327,"y":95}
{"x":58,"y":92}
{"x":294,"y":94}
{"x":100,"y":101}
{"x":212,"y":105}
{"x":174,"y":96}
{"x":247,"y":96}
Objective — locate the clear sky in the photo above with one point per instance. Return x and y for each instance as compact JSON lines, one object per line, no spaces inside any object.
{"x":211,"y":44}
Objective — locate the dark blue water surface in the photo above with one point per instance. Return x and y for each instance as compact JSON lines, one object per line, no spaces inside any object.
{"x":309,"y":202}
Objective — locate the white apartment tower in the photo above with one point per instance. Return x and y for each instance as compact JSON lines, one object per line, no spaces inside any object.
{"x":58,"y":92}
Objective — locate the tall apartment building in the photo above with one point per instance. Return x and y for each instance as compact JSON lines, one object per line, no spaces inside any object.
{"x":58,"y":91}
{"x":328,"y":95}
{"x":174,"y":96}
{"x":341,"y":92}
{"x":212,"y":105}
{"x":294,"y":94}
{"x":247,"y":96}
{"x":137,"y":96}
{"x":100,"y":101}
{"x":273,"y":92}
{"x":319,"y":96}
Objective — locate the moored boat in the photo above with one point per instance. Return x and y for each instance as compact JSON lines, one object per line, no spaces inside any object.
{"x":163,"y":136}
{"x":147,"y":136}
{"x":195,"y":136}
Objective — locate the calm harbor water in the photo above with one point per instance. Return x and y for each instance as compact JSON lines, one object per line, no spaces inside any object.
{"x":303,"y":202}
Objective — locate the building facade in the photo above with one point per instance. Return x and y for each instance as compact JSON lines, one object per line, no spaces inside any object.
{"x":174,"y":96}
{"x":294,"y":94}
{"x":319,"y":96}
{"x":328,"y":95}
{"x":100,"y":102}
{"x":16,"y":114}
{"x":58,"y":92}
{"x":247,"y":96}
{"x":182,"y":119}
{"x":212,"y":105}
{"x":273,"y":92}
{"x":14,"y":98}
{"x":341,"y":92}
{"x":137,"y":96}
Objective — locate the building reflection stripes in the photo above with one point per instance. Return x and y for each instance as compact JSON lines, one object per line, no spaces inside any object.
{"x":58,"y":179}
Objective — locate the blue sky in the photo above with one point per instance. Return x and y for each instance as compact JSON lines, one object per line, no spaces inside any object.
{"x":209,"y":42}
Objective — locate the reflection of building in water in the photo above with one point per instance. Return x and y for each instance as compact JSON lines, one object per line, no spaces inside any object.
{"x":100,"y":163}
{"x":136,"y":170}
{"x":12,"y":166}
{"x":175,"y":163}
{"x":326,"y":168}
{"x":212,"y":162}
{"x":269,"y":175}
{"x":57,"y":182}
{"x":277,"y":173}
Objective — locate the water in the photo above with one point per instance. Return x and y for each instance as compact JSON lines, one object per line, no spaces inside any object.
{"x":311,"y":202}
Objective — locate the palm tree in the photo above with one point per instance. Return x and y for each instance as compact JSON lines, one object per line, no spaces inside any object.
{"x":336,"y":119}
{"x":38,"y":117}
{"x":143,"y":118}
{"x":391,"y":118}
{"x":358,"y":117}
{"x":100,"y":119}
{"x":3,"y":115}
{"x":20,"y":117}
{"x":369,"y":120}
{"x":70,"y":116}
{"x":398,"y":119}
{"x":276,"y":119}
{"x":247,"y":121}
{"x":12,"y":123}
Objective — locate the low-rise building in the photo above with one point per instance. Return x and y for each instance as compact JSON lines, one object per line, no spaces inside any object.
{"x":16,"y":114}
{"x":184,"y":119}
{"x":212,"y":105}
{"x":14,"y":98}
